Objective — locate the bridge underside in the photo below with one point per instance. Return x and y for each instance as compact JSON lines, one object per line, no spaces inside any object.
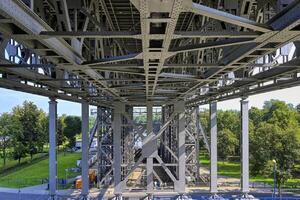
{"x":164,"y":56}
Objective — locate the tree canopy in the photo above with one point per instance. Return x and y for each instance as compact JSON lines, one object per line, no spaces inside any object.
{"x":24,"y":131}
{"x":274,"y":134}
{"x":71,"y":129}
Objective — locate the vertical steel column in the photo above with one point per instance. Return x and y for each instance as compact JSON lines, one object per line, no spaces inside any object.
{"x":245,"y":147}
{"x":85,"y":150}
{"x":99,"y":161}
{"x":52,"y":148}
{"x":119,"y":108}
{"x":197,"y":144}
{"x":150,"y":158}
{"x":213,"y":148}
{"x":179,"y":108}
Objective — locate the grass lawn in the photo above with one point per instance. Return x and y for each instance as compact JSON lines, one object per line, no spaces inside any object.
{"x":232,"y":169}
{"x":34,"y":173}
{"x":11,"y":163}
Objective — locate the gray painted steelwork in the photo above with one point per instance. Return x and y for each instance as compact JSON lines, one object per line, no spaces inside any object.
{"x":85,"y":150}
{"x":245,"y":147}
{"x":52,"y":148}
{"x":213,"y":149}
{"x":177,"y":54}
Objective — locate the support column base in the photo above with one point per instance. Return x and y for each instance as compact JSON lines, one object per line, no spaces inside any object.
{"x":246,"y":196}
{"x":216,"y":196}
{"x":182,"y":196}
{"x":149,"y":196}
{"x":118,"y":197}
{"x":83,"y":197}
{"x":52,"y":197}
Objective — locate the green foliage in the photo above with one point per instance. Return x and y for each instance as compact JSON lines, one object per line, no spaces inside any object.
{"x":229,"y":120}
{"x":140,"y":119}
{"x":280,"y":113}
{"x":274,"y":134}
{"x":256,"y":116}
{"x":24,"y":131}
{"x":261,"y":144}
{"x":32,"y":137}
{"x":275,"y":139}
{"x":71,"y":129}
{"x":8,"y":128}
{"x":61,"y":138}
{"x":227,"y":143}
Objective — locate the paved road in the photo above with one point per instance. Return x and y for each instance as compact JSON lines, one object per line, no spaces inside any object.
{"x":11,"y":196}
{"x":14,"y":196}
{"x":30,"y":194}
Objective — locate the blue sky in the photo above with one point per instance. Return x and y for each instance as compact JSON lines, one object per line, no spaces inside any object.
{"x":10,"y":98}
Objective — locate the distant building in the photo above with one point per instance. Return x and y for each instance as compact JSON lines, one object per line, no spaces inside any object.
{"x":93,"y":145}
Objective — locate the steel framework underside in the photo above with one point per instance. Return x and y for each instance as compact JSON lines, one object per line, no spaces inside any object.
{"x":177,"y":54}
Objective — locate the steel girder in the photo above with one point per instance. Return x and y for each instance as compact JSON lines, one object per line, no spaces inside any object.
{"x":109,"y":44}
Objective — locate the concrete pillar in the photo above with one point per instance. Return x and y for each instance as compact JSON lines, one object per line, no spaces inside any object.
{"x":52,"y":147}
{"x":119,"y":108}
{"x":85,"y":150}
{"x":213,"y":148}
{"x":179,"y":108}
{"x":245,"y":147}
{"x":150,"y":158}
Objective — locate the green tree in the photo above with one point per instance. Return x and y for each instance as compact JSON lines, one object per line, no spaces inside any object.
{"x":17,"y":140}
{"x":227,"y":143}
{"x":271,"y":142}
{"x":230,"y":120}
{"x":8,"y":127}
{"x":280,"y":113}
{"x":140,"y":119}
{"x":261,"y":143}
{"x":30,"y":118}
{"x":43,"y":131}
{"x":71,"y":129}
{"x":286,"y":152}
{"x":256,"y":116}
{"x":61,"y":138}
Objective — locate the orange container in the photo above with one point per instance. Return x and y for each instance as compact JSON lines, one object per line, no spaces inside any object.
{"x":78,"y":184}
{"x":92,"y":176}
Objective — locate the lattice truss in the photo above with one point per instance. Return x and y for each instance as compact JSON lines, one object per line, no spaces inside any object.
{"x":159,"y":50}
{"x":105,"y":146}
{"x":164,"y":142}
